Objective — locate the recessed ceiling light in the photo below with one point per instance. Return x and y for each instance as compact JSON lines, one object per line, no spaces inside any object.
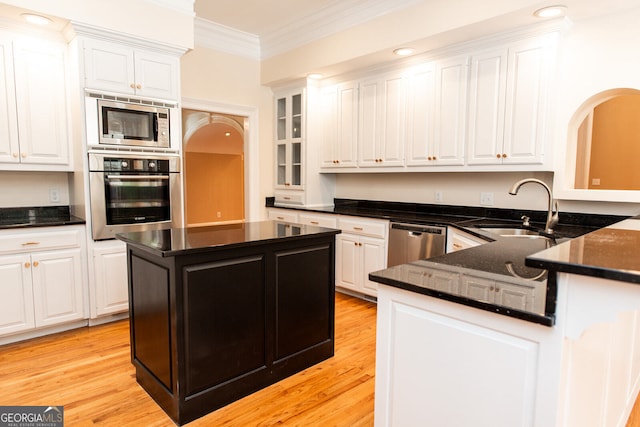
{"x":227,"y":134}
{"x":550,"y":11}
{"x":36,"y":19}
{"x":315,"y":76}
{"x":403,"y":51}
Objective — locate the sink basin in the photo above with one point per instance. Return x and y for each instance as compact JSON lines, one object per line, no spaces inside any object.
{"x":511,"y":231}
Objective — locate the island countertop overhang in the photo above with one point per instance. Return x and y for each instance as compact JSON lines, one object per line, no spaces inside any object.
{"x":183,"y":241}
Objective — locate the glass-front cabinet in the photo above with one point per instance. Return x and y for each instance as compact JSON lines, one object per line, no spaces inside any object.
{"x":290,"y":122}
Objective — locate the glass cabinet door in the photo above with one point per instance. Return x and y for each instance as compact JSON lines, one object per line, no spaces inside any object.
{"x":289,"y":122}
{"x":281,"y":119}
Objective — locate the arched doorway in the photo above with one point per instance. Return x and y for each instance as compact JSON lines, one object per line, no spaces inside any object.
{"x":213,"y":150}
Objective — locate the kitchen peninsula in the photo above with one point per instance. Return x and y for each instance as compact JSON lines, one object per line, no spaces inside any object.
{"x":436,"y":355}
{"x":219,"y":312}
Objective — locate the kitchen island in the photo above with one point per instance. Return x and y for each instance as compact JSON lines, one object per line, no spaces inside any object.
{"x":442,"y":360}
{"x":219,"y":312}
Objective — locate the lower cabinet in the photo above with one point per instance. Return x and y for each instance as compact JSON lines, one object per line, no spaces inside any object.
{"x":110,"y":284}
{"x":44,"y":284}
{"x":360,"y":249}
{"x":524,"y":297}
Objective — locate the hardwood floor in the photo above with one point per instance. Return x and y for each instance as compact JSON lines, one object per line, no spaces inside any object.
{"x":90,"y":373}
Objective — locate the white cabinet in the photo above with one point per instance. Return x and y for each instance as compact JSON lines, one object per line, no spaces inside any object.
{"x":437,"y":108}
{"x":124,"y":69}
{"x":284,"y":215}
{"x":508,"y":102}
{"x":42,"y":278}
{"x":110,"y":280}
{"x":298,"y":181}
{"x":381,"y":121}
{"x":521,"y":296}
{"x":34,"y":119}
{"x":361,"y":248}
{"x":434,"y":357}
{"x":318,"y":219}
{"x":339,"y":115}
{"x":458,"y":240}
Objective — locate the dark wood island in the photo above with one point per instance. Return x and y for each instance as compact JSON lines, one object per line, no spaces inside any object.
{"x":219,"y":312}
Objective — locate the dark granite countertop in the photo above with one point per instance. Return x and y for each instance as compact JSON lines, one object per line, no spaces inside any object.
{"x":612,"y":252}
{"x":182,"y":241}
{"x":47,"y":216}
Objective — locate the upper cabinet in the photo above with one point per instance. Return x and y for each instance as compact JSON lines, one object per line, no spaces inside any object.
{"x":297,"y":178}
{"x":339,"y":116}
{"x":436,"y":117}
{"x":381,"y":121}
{"x":34,"y":115}
{"x":480,"y":106}
{"x":290,"y":116}
{"x":508,"y":100}
{"x":124,"y":69}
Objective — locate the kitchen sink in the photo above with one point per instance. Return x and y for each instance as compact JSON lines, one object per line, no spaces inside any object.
{"x":511,"y":231}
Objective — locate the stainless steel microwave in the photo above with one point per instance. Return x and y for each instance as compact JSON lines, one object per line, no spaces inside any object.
{"x":129,"y":122}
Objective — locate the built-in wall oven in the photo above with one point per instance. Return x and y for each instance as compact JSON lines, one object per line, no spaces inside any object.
{"x":133,"y":192}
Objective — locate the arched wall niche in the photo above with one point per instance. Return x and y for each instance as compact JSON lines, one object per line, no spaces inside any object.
{"x":603,"y":149}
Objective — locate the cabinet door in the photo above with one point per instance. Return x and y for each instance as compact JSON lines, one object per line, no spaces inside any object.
{"x":525,"y":102}
{"x":373,"y":253}
{"x":9,"y":148}
{"x":289,"y":140}
{"x":515,"y":296}
{"x":340,"y":125}
{"x":478,"y":289}
{"x":421,"y":116}
{"x":41,"y":94}
{"x":109,"y":66}
{"x":445,"y":281}
{"x":16,"y":294}
{"x":111,"y":282}
{"x":57,"y":286}
{"x":348,"y":264}
{"x":451,"y":112}
{"x":381,"y":122}
{"x":486,"y":107}
{"x":156,"y":75}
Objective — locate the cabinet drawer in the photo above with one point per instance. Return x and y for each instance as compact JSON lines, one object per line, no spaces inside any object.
{"x":364,"y":226}
{"x":289,"y":199}
{"x":321,"y":220}
{"x":283,"y":215}
{"x":29,"y":241}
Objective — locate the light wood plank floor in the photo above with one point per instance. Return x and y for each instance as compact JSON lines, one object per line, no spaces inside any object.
{"x":90,"y":373}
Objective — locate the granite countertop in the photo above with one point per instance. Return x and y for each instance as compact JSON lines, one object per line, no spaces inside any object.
{"x":182,"y":241}
{"x":47,"y":216}
{"x":611,"y":252}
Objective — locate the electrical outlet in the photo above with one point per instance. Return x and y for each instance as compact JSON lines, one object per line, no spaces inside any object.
{"x":486,"y":199}
{"x":54,"y":195}
{"x":219,"y":214}
{"x":595,"y":181}
{"x":438,"y":196}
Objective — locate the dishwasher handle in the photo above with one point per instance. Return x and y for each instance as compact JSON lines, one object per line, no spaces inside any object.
{"x":417,"y":229}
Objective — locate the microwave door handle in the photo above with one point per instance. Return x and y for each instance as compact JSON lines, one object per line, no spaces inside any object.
{"x":137,"y":177}
{"x":155,"y":127}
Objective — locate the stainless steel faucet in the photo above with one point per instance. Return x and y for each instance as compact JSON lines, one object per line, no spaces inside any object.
{"x":552,"y":217}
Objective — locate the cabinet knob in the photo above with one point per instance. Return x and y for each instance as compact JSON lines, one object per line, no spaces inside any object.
{"x":138,"y":86}
{"x":429,"y":158}
{"x":132,"y":86}
{"x":24,"y":155}
{"x":27,"y":265}
{"x":15,"y":154}
{"x":35,"y":263}
{"x":498,"y":156}
{"x":434,"y":157}
{"x":504,"y":155}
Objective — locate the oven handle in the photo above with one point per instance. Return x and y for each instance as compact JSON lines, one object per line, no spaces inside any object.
{"x":137,"y":177}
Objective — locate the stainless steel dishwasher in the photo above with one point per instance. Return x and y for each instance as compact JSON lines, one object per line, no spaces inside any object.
{"x":411,"y":242}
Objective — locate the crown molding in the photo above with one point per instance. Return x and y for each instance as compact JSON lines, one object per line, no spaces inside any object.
{"x":218,"y":37}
